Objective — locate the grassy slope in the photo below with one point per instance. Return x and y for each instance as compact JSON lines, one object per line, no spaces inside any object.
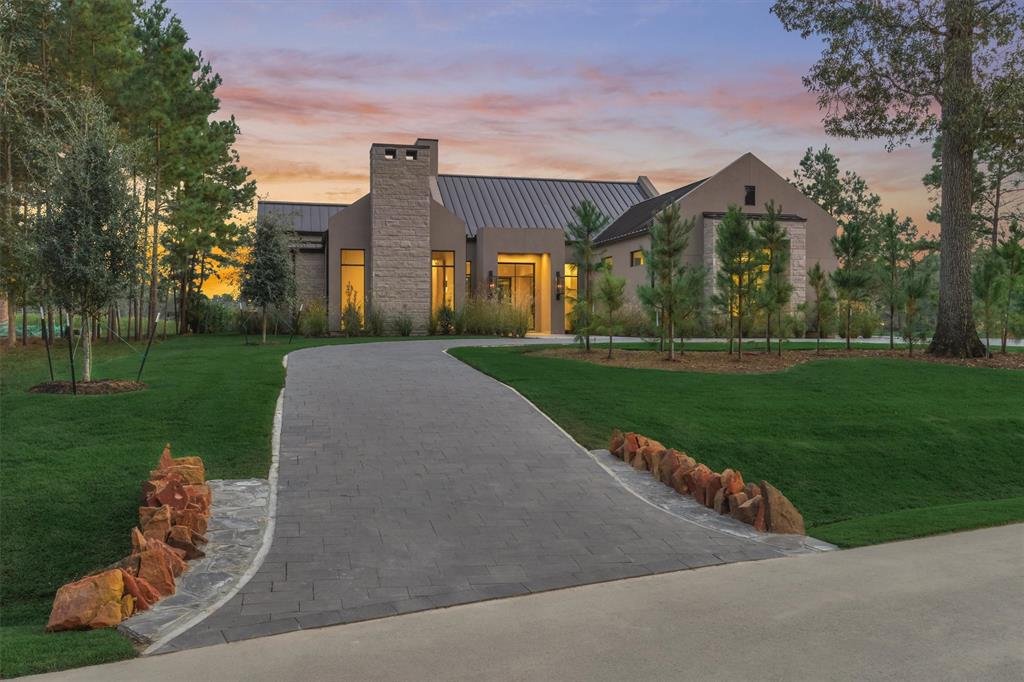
{"x":870,"y":450}
{"x":72,"y":467}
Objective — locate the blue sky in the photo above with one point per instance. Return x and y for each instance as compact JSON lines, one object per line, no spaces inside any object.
{"x":672,"y":90}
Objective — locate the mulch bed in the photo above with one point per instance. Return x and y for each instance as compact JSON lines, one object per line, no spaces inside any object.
{"x":759,"y":362}
{"x":98,"y":387}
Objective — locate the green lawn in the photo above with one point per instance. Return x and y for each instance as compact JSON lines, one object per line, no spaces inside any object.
{"x":72,"y":467}
{"x":870,"y":450}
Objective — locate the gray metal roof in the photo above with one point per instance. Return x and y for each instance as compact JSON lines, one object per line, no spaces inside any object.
{"x":639,"y":217}
{"x":301,"y":217}
{"x":485,"y":201}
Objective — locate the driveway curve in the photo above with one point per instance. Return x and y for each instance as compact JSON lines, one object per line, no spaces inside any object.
{"x":410,"y":481}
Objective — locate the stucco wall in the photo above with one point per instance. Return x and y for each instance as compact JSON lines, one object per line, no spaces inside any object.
{"x":348,"y":229}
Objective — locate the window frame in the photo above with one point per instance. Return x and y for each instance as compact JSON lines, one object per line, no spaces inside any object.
{"x":750,"y":195}
{"x":636,"y":258}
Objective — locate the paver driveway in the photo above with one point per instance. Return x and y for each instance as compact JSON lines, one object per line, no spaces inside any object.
{"x":410,"y":481}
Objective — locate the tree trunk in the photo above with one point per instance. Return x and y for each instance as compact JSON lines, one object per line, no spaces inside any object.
{"x":849,"y":322}
{"x":671,"y":339}
{"x":86,"y":348}
{"x":154,"y":272}
{"x":956,"y":334}
{"x":739,"y":327}
{"x":12,"y":322}
{"x":892,"y":325}
{"x":265,"y":326}
{"x":24,"y":325}
{"x":768,"y":332}
{"x":817,"y":325}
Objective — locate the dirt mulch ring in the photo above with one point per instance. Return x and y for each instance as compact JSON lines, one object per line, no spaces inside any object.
{"x":758,"y":362}
{"x":98,"y":387}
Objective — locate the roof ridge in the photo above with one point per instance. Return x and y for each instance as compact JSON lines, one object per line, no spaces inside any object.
{"x":526,"y":177}
{"x":301,"y":203}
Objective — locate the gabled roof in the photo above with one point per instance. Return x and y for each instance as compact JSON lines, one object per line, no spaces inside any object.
{"x":486,"y":201}
{"x":302,"y":217}
{"x":639,"y":217}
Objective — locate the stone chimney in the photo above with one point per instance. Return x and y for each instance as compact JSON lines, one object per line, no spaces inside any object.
{"x":432,"y":143}
{"x":400,"y":229}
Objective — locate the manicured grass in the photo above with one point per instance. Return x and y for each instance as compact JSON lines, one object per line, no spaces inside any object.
{"x":870,"y":450}
{"x":72,"y":466}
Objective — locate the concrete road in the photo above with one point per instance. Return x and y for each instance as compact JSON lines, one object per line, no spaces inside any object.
{"x":943,"y":608}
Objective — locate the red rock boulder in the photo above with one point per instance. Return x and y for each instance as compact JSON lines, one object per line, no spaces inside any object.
{"x":615,"y":443}
{"x":714,"y":485}
{"x":732,"y":482}
{"x":92,"y":602}
{"x":143,"y":593}
{"x":779,"y":513}
{"x":747,"y":511}
{"x":158,"y":525}
{"x":200,"y":496}
{"x":182,"y":537}
{"x":630,"y":446}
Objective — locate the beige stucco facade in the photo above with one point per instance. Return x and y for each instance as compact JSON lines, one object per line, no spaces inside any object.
{"x":404,"y":220}
{"x":809,"y":237}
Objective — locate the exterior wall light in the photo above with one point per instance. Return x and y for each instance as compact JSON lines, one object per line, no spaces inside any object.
{"x":559,"y":285}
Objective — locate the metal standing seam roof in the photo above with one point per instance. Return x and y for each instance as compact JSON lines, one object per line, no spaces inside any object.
{"x":487,"y":201}
{"x":301,"y":217}
{"x":639,"y":217}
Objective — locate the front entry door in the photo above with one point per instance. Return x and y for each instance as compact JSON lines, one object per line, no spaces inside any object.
{"x":515,"y":283}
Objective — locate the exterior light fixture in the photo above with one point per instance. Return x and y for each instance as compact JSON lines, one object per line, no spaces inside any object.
{"x":559,"y":285}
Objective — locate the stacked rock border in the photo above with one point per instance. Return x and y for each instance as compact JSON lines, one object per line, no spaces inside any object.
{"x":759,"y":505}
{"x":172,"y":520}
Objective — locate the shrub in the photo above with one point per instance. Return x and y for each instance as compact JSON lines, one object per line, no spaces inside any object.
{"x":866,"y":322}
{"x":633,"y":320}
{"x":313,"y":321}
{"x":491,"y":316}
{"x":351,"y":319}
{"x":443,"y":321}
{"x":375,"y":321}
{"x":403,"y":323}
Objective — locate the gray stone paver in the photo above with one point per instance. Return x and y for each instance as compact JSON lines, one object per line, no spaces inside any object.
{"x":410,"y":481}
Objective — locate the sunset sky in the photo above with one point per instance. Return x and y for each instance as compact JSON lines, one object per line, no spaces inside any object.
{"x":672,"y":90}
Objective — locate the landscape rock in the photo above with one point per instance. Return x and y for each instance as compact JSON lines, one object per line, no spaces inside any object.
{"x":144,"y":593}
{"x":127,"y":607}
{"x":721,"y":502}
{"x":714,"y":485}
{"x":759,"y":520}
{"x":199,"y":495}
{"x":181,"y":537}
{"x":732,"y":482}
{"x":190,"y":470}
{"x":736,"y":500}
{"x":92,"y":602}
{"x":780,"y":514}
{"x":752,"y":490}
{"x":697,"y":481}
{"x":616,"y":442}
{"x":630,"y":446}
{"x":159,"y":524}
{"x":193,"y":518}
{"x":747,"y":512}
{"x":173,"y":493}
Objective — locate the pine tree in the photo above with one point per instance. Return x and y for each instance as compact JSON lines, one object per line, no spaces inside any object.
{"x":894,"y":249}
{"x":610,"y":295}
{"x":776,"y":292}
{"x":267,"y":276}
{"x":1011,"y":251}
{"x":818,"y":280}
{"x":852,"y":278}
{"x":671,"y":292}
{"x":589,"y":222}
{"x":739,"y":261}
{"x":988,"y":282}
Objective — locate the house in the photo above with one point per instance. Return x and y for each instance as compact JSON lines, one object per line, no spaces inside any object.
{"x":420,"y":239}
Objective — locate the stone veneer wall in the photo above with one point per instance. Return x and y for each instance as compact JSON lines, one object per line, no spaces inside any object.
{"x":311,"y":276}
{"x":399,"y":257}
{"x":797,"y":232}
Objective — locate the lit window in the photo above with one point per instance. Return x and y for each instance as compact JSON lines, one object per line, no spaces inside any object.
{"x":353,"y":279}
{"x":469,"y":278}
{"x":636,"y":258}
{"x":442,"y":271}
{"x":571,"y":292}
{"x":750,"y":195}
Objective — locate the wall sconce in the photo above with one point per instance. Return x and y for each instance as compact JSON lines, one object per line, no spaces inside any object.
{"x":559,"y":285}
{"x":490,"y":283}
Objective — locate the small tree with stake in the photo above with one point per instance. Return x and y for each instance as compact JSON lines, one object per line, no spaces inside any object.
{"x":818,"y":280}
{"x":610,"y":295}
{"x":267,"y":276}
{"x":851,"y":280}
{"x":588,"y":224}
{"x":88,"y":237}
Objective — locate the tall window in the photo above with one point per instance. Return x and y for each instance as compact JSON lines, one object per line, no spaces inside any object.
{"x":636,"y":258}
{"x":750,"y":195}
{"x":571,"y":292}
{"x":442,"y":279}
{"x":469,"y":278}
{"x":353,"y":279}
